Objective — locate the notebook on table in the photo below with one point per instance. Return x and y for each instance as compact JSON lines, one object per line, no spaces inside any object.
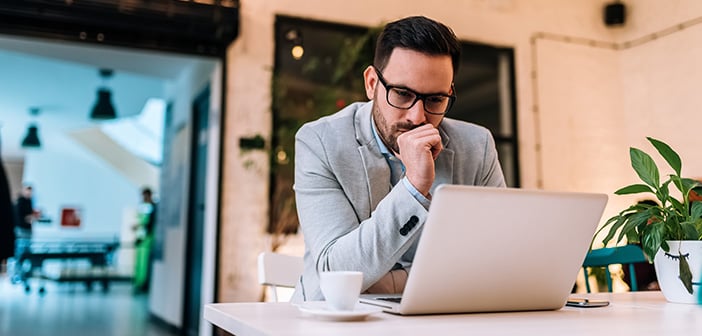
{"x":497,"y":249}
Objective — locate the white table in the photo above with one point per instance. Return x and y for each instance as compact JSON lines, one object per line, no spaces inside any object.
{"x":639,"y":313}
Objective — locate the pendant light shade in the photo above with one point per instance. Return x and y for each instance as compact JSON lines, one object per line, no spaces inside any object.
{"x":31,"y":140}
{"x":103,"y":109}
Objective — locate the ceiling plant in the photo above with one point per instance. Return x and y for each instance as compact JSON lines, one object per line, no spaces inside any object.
{"x":674,"y":218}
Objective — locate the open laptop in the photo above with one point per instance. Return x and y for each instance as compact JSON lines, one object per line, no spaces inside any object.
{"x":497,"y":249}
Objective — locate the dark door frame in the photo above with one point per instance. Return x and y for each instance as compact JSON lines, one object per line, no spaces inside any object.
{"x":195,"y":230}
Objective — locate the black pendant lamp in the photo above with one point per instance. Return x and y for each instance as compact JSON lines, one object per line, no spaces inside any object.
{"x":103,"y":108}
{"x":31,"y":140}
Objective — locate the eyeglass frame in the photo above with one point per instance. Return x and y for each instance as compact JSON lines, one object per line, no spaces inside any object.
{"x":417,"y":96}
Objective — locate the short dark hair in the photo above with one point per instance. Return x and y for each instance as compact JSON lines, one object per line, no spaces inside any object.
{"x":417,"y":33}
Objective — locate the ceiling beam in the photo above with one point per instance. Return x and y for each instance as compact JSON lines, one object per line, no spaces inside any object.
{"x":165,"y":25}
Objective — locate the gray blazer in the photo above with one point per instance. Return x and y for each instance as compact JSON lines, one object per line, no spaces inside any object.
{"x":351,"y":217}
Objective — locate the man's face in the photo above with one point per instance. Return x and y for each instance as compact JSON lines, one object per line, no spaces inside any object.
{"x":421,"y":73}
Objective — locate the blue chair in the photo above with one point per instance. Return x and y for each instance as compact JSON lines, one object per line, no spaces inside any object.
{"x":603,"y":257}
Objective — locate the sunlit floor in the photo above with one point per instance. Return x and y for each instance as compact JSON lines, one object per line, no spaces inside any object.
{"x":68,"y":309}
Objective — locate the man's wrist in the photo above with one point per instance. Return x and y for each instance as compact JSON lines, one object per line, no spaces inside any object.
{"x":425,"y":200}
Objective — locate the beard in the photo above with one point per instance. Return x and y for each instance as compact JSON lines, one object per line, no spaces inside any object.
{"x":388,"y":133}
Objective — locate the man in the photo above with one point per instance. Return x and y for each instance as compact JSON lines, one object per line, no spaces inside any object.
{"x":364,"y":176}
{"x":26,"y":214}
{"x":144,"y":241}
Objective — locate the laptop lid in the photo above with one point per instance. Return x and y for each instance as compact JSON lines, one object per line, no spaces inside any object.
{"x":498,"y":249}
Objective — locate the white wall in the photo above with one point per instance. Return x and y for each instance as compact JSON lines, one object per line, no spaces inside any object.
{"x":63,"y":173}
{"x":579,"y":106}
{"x":597,"y":101}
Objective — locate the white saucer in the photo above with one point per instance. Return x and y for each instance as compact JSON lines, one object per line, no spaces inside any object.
{"x":321,"y":310}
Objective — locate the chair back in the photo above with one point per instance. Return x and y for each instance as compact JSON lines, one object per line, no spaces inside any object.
{"x":279,"y":270}
{"x":603,"y":257}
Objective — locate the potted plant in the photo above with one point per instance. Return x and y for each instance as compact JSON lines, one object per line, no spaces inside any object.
{"x":669,"y":232}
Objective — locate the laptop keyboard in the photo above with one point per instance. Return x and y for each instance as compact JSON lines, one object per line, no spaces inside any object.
{"x":391,"y":299}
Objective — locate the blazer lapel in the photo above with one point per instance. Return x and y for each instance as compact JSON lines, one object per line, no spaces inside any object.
{"x":376,"y":169}
{"x":377,"y":175}
{"x":443,"y":166}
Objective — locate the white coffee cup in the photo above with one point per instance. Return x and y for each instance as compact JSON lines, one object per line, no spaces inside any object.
{"x":341,"y":288}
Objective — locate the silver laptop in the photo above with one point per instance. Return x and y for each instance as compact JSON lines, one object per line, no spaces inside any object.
{"x":497,"y":249}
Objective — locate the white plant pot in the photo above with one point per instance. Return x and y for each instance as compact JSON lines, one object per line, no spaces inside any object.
{"x":668,"y":270}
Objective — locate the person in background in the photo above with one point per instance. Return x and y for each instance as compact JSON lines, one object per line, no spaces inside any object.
{"x":144,"y":228}
{"x":364,"y":176}
{"x":26,"y":214}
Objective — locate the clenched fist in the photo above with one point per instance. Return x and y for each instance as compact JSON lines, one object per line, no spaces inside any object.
{"x":419,"y":148}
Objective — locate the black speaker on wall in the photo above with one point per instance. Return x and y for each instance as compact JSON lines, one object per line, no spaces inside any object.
{"x":614,"y":14}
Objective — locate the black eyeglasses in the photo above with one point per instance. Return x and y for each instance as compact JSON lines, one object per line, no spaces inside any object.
{"x":404,"y":98}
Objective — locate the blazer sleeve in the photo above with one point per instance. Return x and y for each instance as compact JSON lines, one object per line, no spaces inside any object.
{"x":492,"y":175}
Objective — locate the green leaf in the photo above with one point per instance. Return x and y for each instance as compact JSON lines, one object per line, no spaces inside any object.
{"x":689,"y":231}
{"x":655,"y":211}
{"x":618,"y":222}
{"x":688,"y":184}
{"x":652,"y":216}
{"x":696,"y":210}
{"x":645,"y":167}
{"x":653,"y":238}
{"x":679,"y":207}
{"x":632,"y":237}
{"x":685,"y":274}
{"x":664,"y":193}
{"x":678,"y":182}
{"x":633,"y":189}
{"x":632,"y":223}
{"x":668,"y":154}
{"x":609,"y":222}
{"x":673,"y":225}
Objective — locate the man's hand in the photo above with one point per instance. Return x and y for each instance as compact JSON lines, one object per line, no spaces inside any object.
{"x":418,"y":150}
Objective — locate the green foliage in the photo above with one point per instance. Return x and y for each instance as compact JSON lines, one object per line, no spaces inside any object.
{"x":670,"y":219}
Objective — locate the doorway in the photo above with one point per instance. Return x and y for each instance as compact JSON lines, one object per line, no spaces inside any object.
{"x":166,"y":298}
